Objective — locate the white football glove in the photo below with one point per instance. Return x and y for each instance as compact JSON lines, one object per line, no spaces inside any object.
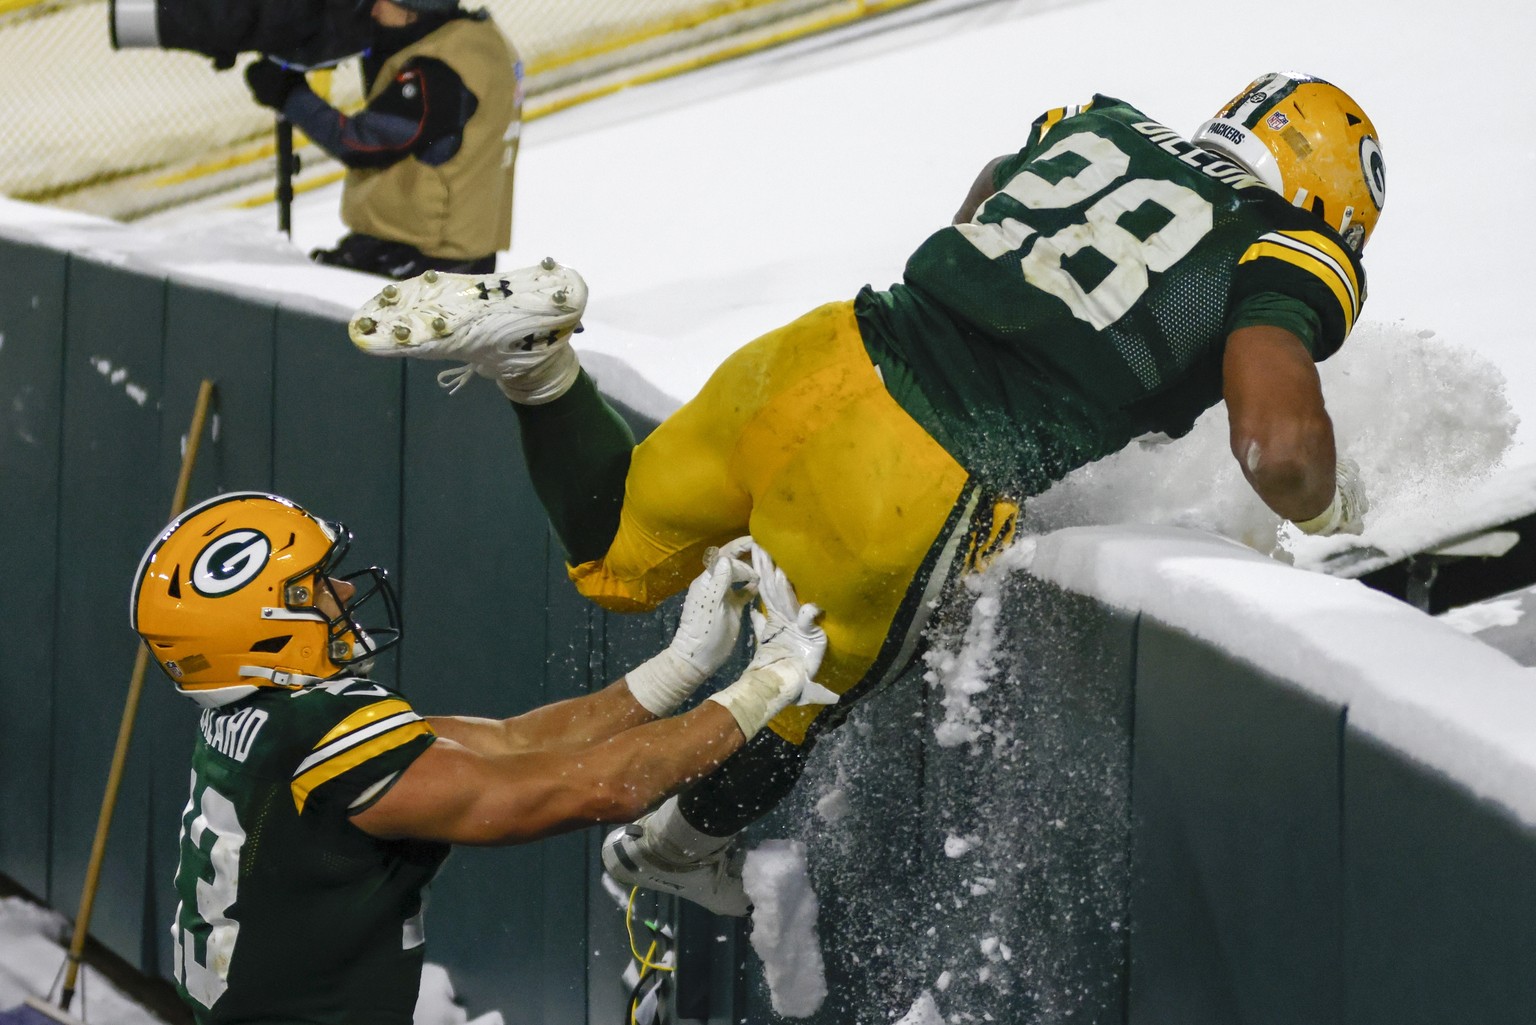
{"x":790,"y":647}
{"x":1346,"y":513}
{"x":706,"y":632}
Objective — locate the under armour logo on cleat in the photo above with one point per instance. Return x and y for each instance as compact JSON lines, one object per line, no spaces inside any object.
{"x":485,"y":292}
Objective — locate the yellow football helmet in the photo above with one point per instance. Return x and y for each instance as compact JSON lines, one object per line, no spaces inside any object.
{"x":1306,"y":139}
{"x":225,"y":597}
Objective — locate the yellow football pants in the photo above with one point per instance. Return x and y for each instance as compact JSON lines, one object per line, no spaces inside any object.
{"x":795,"y":440}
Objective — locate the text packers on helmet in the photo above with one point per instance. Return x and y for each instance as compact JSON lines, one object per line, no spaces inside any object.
{"x":225,"y":598}
{"x":1306,"y":139}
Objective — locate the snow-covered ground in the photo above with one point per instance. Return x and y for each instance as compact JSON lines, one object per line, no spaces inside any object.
{"x":706,"y":210}
{"x":34,"y":944}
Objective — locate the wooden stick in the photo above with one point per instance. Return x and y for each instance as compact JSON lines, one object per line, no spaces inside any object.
{"x":125,"y":728}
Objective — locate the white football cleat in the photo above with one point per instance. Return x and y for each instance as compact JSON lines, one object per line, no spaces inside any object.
{"x":513,"y":328}
{"x":713,"y":881}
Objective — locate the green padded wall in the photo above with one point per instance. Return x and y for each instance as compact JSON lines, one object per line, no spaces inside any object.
{"x":1440,"y":897}
{"x":1044,"y":795}
{"x":110,"y":504}
{"x":1047,"y":792}
{"x":1238,"y":870}
{"x":31,"y":398}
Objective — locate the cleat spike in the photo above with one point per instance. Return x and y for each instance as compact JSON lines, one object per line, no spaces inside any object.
{"x":430,"y":277}
{"x":507,"y":327}
{"x":548,"y":263}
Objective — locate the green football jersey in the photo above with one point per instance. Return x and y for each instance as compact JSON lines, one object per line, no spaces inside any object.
{"x":1090,"y":298}
{"x":289,"y":913}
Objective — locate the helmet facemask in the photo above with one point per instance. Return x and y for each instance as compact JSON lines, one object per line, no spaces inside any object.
{"x":352,"y":643}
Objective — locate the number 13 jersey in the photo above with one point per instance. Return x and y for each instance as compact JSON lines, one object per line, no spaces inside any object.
{"x":288,"y":912}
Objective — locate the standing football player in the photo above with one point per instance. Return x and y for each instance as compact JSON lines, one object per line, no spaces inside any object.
{"x":322,"y":802}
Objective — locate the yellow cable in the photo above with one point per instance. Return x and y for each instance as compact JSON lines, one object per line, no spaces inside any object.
{"x":644,"y":960}
{"x":634,"y":1005}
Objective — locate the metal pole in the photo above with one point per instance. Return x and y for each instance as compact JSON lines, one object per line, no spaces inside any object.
{"x":125,"y":728}
{"x":284,"y":176}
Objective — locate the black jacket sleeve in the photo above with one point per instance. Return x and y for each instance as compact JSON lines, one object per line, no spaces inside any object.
{"x":421,"y":113}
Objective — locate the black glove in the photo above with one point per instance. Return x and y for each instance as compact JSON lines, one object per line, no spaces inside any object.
{"x":271,"y":83}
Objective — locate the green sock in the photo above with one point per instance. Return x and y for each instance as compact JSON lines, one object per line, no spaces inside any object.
{"x":577,"y":449}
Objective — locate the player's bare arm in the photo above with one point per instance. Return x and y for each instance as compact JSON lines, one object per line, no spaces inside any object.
{"x":564,"y":724}
{"x":1282,"y":436}
{"x":706,"y":635}
{"x":455,"y":794}
{"x":981,"y":188}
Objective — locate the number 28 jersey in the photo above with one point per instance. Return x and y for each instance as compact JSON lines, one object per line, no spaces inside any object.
{"x":287,"y":912}
{"x":1090,"y":298}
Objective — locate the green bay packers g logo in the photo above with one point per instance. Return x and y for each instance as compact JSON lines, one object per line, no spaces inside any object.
{"x":1375,"y":169}
{"x":229,"y":562}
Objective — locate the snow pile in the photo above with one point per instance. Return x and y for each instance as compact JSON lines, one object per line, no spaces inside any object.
{"x":438,"y":1004}
{"x":784,"y":926}
{"x":963,"y":672}
{"x":1484,"y":615}
{"x":924,"y":1012}
{"x":1426,"y":420}
{"x":34,"y":943}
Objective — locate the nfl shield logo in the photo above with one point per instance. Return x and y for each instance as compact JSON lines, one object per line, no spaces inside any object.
{"x":1277,"y":120}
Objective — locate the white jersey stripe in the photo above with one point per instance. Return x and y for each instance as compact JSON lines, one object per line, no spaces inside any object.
{"x":354,"y":738}
{"x":1321,"y":256}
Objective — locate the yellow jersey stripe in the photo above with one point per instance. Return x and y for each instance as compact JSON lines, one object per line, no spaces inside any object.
{"x":325,"y":752}
{"x":350,"y":758}
{"x":1051,"y":118}
{"x":364,"y":717}
{"x":1324,"y":244}
{"x":1310,"y":262}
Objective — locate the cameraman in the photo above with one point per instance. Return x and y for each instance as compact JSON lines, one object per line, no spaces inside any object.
{"x":430,"y":157}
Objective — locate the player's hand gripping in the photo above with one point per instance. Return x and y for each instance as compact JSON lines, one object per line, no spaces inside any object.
{"x":706,"y":633}
{"x":790,"y":647}
{"x":1346,"y":513}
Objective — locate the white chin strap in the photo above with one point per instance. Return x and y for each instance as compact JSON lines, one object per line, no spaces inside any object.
{"x":217,"y":697}
{"x":291,"y":681}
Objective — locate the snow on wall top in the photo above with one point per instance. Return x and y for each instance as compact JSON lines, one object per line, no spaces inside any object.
{"x":1410,"y":681}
